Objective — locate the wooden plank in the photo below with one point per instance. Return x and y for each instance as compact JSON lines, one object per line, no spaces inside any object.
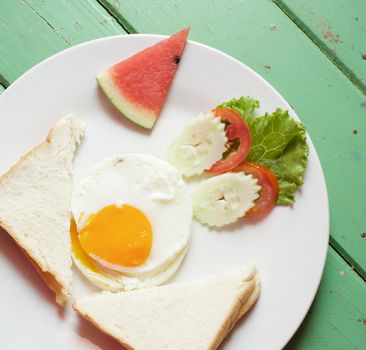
{"x":25,"y":39}
{"x":77,"y":21}
{"x":30,"y":31}
{"x":338,"y":27}
{"x":337,"y":318}
{"x":259,"y":34}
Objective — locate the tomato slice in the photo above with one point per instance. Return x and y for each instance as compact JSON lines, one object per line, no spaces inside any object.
{"x":268,"y":181}
{"x":237,"y":129}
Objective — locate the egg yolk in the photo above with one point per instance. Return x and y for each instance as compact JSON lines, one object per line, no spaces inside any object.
{"x":79,"y":253}
{"x":118,"y":235}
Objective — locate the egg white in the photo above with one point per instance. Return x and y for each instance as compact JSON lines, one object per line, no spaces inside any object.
{"x":114,"y":281}
{"x":157,"y":189}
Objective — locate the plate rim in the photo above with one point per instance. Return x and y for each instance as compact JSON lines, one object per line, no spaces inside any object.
{"x":257,"y":76}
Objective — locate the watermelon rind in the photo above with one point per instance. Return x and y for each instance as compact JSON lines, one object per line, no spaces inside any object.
{"x":139,"y":115}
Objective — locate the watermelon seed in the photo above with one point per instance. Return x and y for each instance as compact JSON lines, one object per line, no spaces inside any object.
{"x":177,"y":59}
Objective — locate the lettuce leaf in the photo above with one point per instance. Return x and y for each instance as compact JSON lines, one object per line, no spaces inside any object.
{"x":278,"y":142}
{"x":245,"y":106}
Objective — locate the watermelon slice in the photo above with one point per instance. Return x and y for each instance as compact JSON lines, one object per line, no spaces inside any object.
{"x":138,"y":86}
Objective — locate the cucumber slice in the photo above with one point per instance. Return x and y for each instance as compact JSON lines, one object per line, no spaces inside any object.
{"x":222,"y":199}
{"x":200,"y":145}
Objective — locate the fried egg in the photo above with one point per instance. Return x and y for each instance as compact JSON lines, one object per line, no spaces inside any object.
{"x":132,"y":222}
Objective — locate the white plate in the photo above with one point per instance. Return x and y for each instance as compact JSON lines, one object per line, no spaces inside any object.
{"x":289,"y":246}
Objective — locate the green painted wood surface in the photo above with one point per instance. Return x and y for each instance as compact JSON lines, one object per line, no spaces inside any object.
{"x":333,"y":110}
{"x":32,"y":30}
{"x":2,"y":88}
{"x":77,"y":21}
{"x":338,"y":27}
{"x":337,"y":318}
{"x":25,"y":39}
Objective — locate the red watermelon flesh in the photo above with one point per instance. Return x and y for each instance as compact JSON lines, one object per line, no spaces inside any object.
{"x":139,"y":85}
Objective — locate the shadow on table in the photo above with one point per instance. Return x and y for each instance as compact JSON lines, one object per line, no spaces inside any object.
{"x":11,"y":251}
{"x":88,"y":331}
{"x":298,"y":338}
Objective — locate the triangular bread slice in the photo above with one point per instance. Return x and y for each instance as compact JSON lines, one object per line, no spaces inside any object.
{"x":35,"y":196}
{"x":194,"y":315}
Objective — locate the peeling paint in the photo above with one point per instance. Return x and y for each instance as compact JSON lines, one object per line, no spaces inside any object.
{"x":327,"y":31}
{"x":329,"y":35}
{"x":116,"y":4}
{"x":272,"y":28}
{"x":78,"y":26}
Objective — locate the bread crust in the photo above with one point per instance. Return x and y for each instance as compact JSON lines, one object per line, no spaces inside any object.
{"x":99,"y":326}
{"x":61,"y":290}
{"x":245,"y":301}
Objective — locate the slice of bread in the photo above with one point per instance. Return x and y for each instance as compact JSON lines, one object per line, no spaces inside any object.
{"x":35,"y":196}
{"x":195,"y":315}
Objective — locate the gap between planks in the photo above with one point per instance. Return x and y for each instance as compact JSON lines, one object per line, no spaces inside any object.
{"x":323,"y":48}
{"x":47,"y":22}
{"x":126,"y":26}
{"x":3,"y":83}
{"x":349,"y":261}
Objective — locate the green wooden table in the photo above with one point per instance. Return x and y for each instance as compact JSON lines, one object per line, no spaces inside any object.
{"x":312,"y":51}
